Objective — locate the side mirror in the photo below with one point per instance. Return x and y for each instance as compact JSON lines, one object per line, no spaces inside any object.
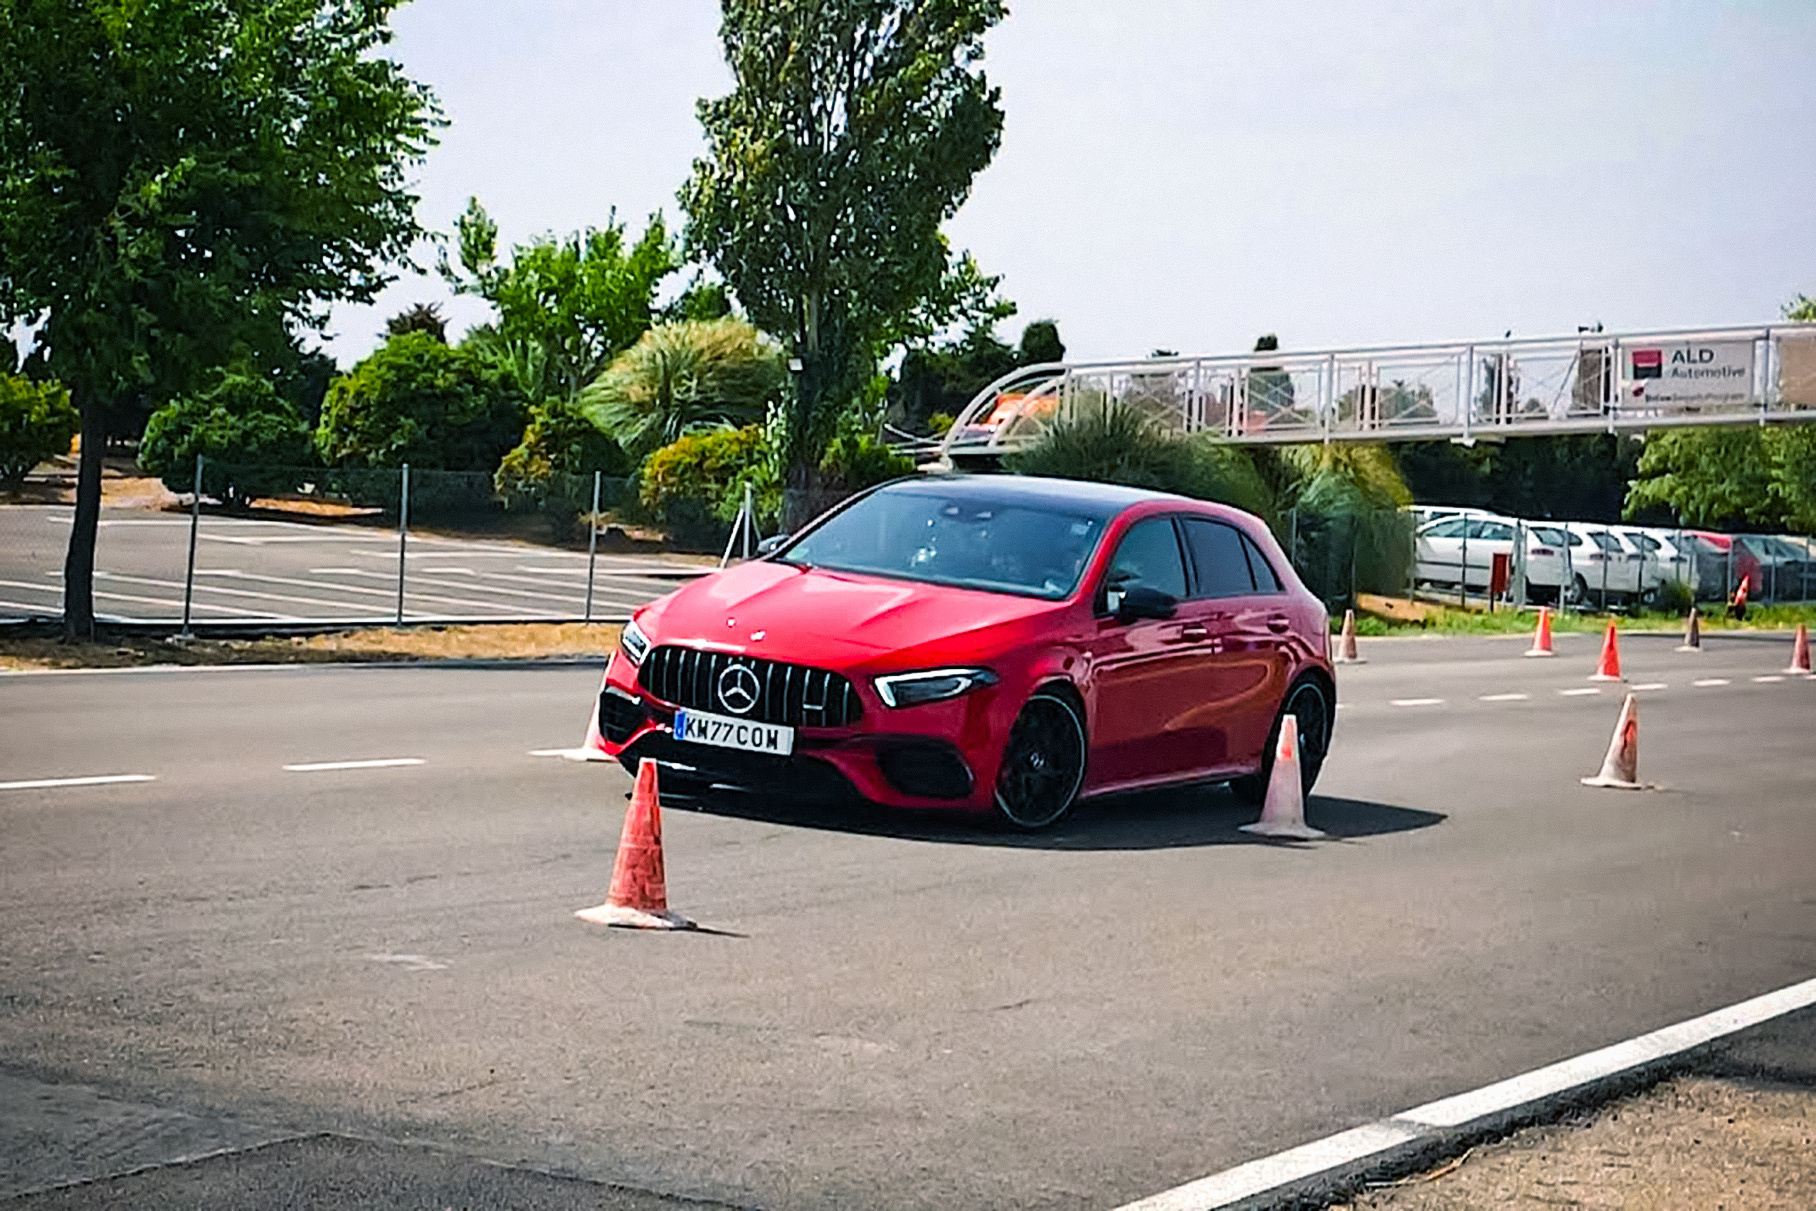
{"x":772,"y":544}
{"x":1140,"y":601}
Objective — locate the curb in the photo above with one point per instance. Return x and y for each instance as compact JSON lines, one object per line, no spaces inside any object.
{"x":1316,"y":1174}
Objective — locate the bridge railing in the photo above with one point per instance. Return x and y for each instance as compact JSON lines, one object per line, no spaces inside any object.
{"x":1585,"y":383}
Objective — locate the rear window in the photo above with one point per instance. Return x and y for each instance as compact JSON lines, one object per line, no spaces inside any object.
{"x":1266,"y":579}
{"x":1549,"y":536}
{"x":1217,"y":555}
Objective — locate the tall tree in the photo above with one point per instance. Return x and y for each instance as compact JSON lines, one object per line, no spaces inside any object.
{"x":854,"y":130}
{"x":566,"y":307}
{"x":177,"y":176}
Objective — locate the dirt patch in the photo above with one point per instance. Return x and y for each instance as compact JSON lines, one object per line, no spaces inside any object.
{"x":1693,"y":1142}
{"x":512,"y":641}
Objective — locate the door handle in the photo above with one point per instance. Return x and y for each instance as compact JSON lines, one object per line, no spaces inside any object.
{"x":1194,"y":632}
{"x":1279,"y":623}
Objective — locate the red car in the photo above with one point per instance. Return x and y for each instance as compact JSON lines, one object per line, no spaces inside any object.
{"x":985,"y":642}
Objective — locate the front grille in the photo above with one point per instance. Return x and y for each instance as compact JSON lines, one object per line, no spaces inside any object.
{"x":789,"y":694}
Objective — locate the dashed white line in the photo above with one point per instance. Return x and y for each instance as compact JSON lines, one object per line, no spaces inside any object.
{"x":1504,"y":697}
{"x":94,"y":780}
{"x":1770,"y":678}
{"x":1707,"y":681}
{"x":1586,"y":690}
{"x":381,"y":763}
{"x":1653,"y":685}
{"x":1417,"y":702}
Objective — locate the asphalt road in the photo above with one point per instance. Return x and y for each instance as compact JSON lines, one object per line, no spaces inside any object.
{"x":889,"y":1011}
{"x":252,"y":569}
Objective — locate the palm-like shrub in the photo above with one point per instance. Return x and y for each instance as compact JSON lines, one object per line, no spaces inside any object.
{"x":685,"y":376}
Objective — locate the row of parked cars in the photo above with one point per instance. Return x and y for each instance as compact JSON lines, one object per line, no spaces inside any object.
{"x":1592,"y":563}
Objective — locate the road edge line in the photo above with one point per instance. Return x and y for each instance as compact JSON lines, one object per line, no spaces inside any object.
{"x":1329,"y":1167}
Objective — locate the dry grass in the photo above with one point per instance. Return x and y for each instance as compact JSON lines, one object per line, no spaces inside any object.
{"x":514,"y":641}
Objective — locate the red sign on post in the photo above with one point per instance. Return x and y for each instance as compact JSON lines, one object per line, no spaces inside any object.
{"x":1500,"y":575}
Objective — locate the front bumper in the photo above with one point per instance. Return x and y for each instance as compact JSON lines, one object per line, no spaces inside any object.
{"x":938,"y":755}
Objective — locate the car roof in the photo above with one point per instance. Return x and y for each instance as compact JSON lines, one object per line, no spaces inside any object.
{"x":1102,"y":501}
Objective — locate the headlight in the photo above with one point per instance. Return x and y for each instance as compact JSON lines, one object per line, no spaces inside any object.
{"x":633,"y":643}
{"x":912,"y":689}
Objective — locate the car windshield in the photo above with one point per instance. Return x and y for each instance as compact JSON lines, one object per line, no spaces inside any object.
{"x":923,"y":533}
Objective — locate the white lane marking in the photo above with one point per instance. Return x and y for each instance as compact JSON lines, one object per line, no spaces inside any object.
{"x":1578,"y":693}
{"x":1706,"y":681}
{"x":1270,"y":1173}
{"x":95,"y":780}
{"x":175,"y":603}
{"x":1769,"y":678}
{"x":381,"y":763}
{"x":1653,"y":685}
{"x":447,"y":571}
{"x":231,"y":574}
{"x":410,"y":962}
{"x":1505,"y":697}
{"x":416,"y":595}
{"x":332,"y":571}
{"x":1416,"y":702}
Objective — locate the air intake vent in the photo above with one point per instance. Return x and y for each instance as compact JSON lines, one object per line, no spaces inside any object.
{"x":789,"y":694}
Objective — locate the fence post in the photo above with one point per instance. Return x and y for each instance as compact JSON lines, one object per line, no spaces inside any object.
{"x":403,"y":540}
{"x":195,"y":521}
{"x":592,"y":544}
{"x":750,"y":519}
{"x":1463,"y":571}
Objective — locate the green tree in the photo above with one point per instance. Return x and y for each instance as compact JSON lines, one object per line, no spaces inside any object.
{"x":1040,"y":344}
{"x":566,"y":307}
{"x":854,"y":129}
{"x":252,"y":441}
{"x":37,"y":422}
{"x":418,"y":401}
{"x":177,"y":176}
{"x":1717,"y":476}
{"x":423,"y":317}
{"x":684,"y":376}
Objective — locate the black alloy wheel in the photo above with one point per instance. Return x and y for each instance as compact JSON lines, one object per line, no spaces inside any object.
{"x":1043,"y":763}
{"x":1309,"y":703}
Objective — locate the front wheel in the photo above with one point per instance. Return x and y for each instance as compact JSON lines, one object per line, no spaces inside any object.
{"x":1043,"y":763}
{"x":1310,"y":704}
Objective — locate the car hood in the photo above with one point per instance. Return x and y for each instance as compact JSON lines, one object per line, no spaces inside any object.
{"x":813,"y":616}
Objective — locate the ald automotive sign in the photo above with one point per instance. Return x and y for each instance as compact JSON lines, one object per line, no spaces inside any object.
{"x":1692,"y":374}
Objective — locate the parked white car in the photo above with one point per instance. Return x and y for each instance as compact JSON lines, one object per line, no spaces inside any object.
{"x":1608,"y":566}
{"x":1440,"y":547}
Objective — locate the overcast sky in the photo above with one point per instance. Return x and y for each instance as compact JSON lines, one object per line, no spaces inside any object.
{"x":1186,"y":175}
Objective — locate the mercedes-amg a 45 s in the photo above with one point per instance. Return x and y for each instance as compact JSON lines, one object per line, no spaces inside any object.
{"x":988,"y":642}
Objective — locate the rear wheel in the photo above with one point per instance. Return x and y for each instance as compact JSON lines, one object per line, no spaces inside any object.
{"x":1310,"y":704}
{"x":1043,"y":763}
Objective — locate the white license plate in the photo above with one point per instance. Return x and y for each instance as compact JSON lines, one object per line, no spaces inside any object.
{"x":728,"y":731}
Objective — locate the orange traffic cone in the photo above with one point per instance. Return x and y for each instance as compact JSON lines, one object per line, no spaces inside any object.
{"x":1283,"y":812}
{"x":1692,"y":633}
{"x":1800,"y":651}
{"x":1620,"y":768}
{"x":1610,"y":669}
{"x":1541,"y":638}
{"x":1738,"y":609}
{"x":639,"y":895}
{"x":592,"y":748}
{"x":1346,"y":650}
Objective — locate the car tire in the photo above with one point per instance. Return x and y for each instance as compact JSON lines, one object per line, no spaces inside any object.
{"x":1043,"y":765}
{"x":1310,"y":702}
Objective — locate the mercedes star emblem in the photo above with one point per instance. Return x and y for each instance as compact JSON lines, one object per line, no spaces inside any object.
{"x":738,"y":688}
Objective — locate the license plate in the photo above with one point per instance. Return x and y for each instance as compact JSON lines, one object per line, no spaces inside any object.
{"x":728,"y":731}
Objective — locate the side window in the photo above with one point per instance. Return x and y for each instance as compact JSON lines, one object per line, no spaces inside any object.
{"x":1493,"y":531}
{"x":1447,"y":529}
{"x":1223,"y":570}
{"x":1266,"y":579}
{"x":1149,"y":555}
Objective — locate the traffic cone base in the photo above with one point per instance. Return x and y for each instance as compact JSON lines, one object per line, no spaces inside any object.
{"x":1541,"y":636}
{"x":1692,"y":633}
{"x":1800,"y":650}
{"x":1610,"y":668}
{"x":1346,"y":647}
{"x":1283,"y":812}
{"x":1620,"y":768}
{"x":639,"y":895}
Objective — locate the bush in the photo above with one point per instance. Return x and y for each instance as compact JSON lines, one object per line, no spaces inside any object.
{"x":684,"y":376}
{"x":1117,"y":445}
{"x":252,"y":440}
{"x":694,"y":486}
{"x":418,"y":401}
{"x":854,"y":462}
{"x":551,"y":469}
{"x":1676,"y":597}
{"x":37,"y":422}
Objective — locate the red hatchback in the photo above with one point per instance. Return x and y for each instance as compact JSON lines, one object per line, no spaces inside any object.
{"x":989,"y":642}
